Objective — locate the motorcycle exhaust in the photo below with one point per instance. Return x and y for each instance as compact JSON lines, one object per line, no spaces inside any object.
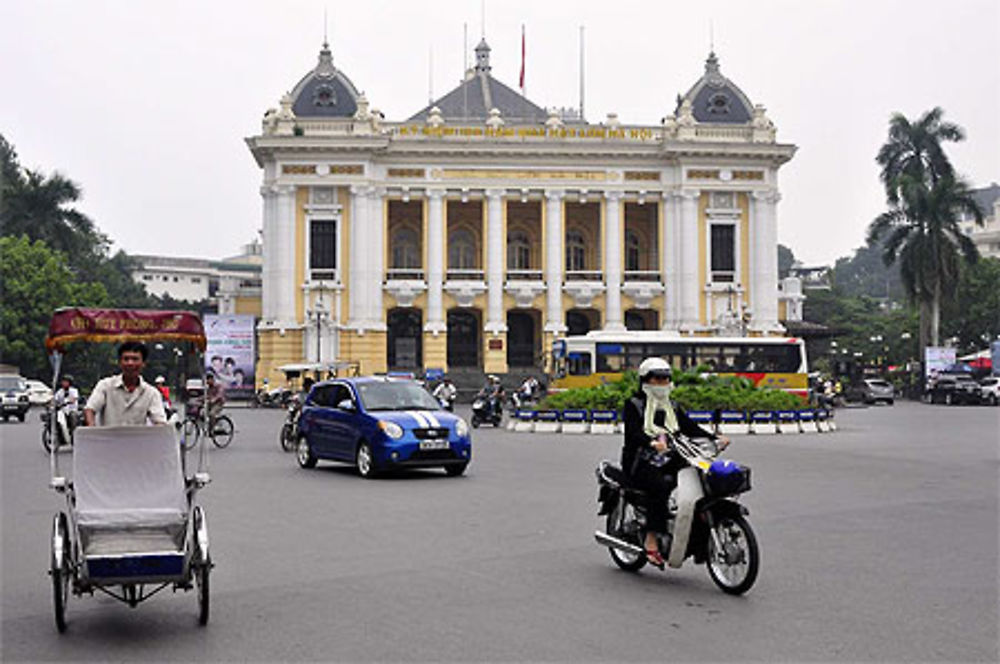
{"x":615,"y":543}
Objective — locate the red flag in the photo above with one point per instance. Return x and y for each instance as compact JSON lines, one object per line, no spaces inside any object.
{"x":522,"y":59}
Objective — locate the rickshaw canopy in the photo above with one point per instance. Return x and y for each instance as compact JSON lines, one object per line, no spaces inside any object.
{"x":115,"y":325}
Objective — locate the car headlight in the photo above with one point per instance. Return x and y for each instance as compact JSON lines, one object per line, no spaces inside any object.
{"x":391,"y":429}
{"x":461,"y":428}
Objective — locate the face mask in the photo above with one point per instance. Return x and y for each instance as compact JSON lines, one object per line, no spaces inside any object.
{"x":657,"y":392}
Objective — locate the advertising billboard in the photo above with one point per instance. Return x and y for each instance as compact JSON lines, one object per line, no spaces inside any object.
{"x":995,"y":357}
{"x":936,"y":359}
{"x":231,"y":352}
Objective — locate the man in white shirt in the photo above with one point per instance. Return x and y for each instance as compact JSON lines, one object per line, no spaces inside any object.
{"x":126,"y":399}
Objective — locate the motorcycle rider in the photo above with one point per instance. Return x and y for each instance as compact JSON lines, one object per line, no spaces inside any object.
{"x":66,"y":399}
{"x":445,"y":392}
{"x":650,"y":418}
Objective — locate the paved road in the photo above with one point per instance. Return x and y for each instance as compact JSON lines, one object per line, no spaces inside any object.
{"x":879,"y":543}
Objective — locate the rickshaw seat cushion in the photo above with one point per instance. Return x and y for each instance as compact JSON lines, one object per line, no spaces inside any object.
{"x":128,"y":478}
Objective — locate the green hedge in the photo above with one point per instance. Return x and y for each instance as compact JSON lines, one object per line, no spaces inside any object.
{"x":692,"y":392}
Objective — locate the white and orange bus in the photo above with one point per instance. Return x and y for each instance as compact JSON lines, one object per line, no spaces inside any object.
{"x":595,"y":357}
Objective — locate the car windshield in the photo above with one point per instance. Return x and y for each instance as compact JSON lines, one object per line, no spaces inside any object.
{"x":11,"y":383}
{"x":878,"y":383}
{"x":396,"y":395}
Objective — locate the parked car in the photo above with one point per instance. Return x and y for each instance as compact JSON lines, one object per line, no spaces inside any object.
{"x":955,"y":389}
{"x":873,"y":390}
{"x":989,"y":390}
{"x":380,"y":424}
{"x":39,"y":393}
{"x":14,"y":391}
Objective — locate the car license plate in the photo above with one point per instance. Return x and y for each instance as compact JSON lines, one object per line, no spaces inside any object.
{"x":434,"y":444}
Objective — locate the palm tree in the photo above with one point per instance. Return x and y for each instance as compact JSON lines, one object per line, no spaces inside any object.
{"x":921,"y":230}
{"x":914,"y":150}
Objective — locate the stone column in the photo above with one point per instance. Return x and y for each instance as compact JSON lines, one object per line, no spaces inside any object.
{"x":285,"y":259}
{"x":690,"y":291}
{"x":765,"y":284}
{"x":357,"y":307}
{"x":670,"y":241}
{"x":554,"y":231}
{"x":374,"y":258}
{"x":270,"y":251}
{"x":435,"y":262}
{"x":494,"y":262}
{"x":613,"y":261}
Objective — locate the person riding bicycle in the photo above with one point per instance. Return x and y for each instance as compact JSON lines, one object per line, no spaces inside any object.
{"x":216,"y":395}
{"x":651,"y":418}
{"x":126,"y":399}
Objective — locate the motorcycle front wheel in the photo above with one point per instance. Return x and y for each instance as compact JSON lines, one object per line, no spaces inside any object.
{"x":733,"y":556}
{"x":287,"y":437}
{"x":615,"y":525}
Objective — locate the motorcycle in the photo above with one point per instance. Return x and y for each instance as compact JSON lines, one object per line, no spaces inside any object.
{"x":276,"y":398}
{"x":446,"y":403}
{"x":484,"y":410}
{"x":289,"y":436}
{"x":705,"y":520}
{"x":61,"y":430}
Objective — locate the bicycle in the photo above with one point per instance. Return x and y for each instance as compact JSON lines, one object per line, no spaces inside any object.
{"x":220,"y":430}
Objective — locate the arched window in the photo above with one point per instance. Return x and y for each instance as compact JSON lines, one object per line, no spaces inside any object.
{"x":405,"y":249}
{"x":576,"y":252}
{"x":518,"y":251}
{"x":632,"y":251}
{"x":462,"y":250}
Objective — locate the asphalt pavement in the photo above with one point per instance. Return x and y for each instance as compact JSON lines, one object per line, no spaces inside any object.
{"x":879,"y":543}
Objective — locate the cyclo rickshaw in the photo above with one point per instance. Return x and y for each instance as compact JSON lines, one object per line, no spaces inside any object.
{"x":131,"y":526}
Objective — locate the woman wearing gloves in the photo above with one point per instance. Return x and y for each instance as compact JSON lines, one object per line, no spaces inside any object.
{"x":647,"y":456}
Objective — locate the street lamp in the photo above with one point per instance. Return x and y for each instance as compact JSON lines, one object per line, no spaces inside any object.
{"x":318,"y":313}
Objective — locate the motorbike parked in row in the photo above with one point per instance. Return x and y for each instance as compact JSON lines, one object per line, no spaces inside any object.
{"x":705,"y":520}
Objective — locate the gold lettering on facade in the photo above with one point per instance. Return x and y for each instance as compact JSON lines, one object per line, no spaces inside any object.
{"x":748,"y":175}
{"x":639,"y":134}
{"x":642,"y":175}
{"x":493,"y":174}
{"x":702,"y":174}
{"x":298,"y":169}
{"x":335,"y":169}
{"x":407,"y":172}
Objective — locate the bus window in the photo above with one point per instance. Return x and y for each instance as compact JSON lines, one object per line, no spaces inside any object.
{"x":784,"y":358}
{"x":610,"y":358}
{"x":579,"y":364}
{"x":635,"y":354}
{"x":709,"y":356}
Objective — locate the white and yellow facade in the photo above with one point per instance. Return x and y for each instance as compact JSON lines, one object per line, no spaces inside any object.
{"x":467,"y":237}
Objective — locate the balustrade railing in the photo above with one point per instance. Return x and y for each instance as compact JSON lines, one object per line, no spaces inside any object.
{"x":524,"y":275}
{"x":584,"y":275}
{"x":464,"y":275}
{"x":642,"y":275}
{"x":404,"y":274}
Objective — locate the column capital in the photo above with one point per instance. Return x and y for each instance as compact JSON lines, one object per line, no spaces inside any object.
{"x":494,"y":193}
{"x":612,"y":195}
{"x":555,"y":194}
{"x":284,"y":189}
{"x":767,"y":195}
{"x":436,"y":193}
{"x":689,"y":193}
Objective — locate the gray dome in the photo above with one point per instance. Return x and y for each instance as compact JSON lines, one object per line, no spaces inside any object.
{"x":325,"y":91}
{"x":716,"y":99}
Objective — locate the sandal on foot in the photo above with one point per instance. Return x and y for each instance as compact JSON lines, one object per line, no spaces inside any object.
{"x":654,"y":558}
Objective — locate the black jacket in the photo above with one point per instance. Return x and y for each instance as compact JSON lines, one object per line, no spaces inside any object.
{"x":634,"y":416}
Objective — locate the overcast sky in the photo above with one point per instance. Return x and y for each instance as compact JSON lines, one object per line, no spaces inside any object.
{"x":146,"y":104}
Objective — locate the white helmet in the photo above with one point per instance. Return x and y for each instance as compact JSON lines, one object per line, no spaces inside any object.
{"x":654,"y":367}
{"x":159,"y":379}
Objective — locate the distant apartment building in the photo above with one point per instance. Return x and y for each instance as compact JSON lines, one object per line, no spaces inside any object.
{"x":986,"y":237}
{"x":232,"y":285}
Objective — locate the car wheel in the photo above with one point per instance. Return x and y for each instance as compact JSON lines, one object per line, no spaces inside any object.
{"x":993,"y":399}
{"x":948,"y":399}
{"x":456,"y":470}
{"x":890,"y":401}
{"x":365,"y":461}
{"x":21,"y":416}
{"x":304,"y":455}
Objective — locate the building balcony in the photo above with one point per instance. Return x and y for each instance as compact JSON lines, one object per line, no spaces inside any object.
{"x":404,"y":274}
{"x":585,"y":275}
{"x":405,"y":285}
{"x":464,"y":275}
{"x":642,"y":275}
{"x":524,"y":275}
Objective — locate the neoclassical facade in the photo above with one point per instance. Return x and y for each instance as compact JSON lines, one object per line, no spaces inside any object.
{"x":475,"y":232}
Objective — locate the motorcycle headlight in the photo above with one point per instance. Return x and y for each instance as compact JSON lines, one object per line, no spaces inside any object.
{"x":391,"y":429}
{"x":461,"y":428}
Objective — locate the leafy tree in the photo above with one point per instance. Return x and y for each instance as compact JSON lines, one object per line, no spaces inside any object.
{"x":785,"y":260}
{"x":34,"y":281}
{"x":925,"y":199}
{"x":973,"y":315}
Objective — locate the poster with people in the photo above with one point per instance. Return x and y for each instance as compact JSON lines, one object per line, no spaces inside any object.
{"x":231,"y":352}
{"x":995,"y":358}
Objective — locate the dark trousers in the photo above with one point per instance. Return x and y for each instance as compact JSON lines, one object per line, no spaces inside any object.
{"x":657,"y":482}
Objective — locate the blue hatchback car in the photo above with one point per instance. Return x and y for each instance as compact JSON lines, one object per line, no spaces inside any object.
{"x":380,"y":424}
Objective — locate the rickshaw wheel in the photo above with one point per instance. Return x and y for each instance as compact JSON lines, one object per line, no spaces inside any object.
{"x":59,"y":570}
{"x":191,"y":431}
{"x":46,"y":439}
{"x":222,"y":431}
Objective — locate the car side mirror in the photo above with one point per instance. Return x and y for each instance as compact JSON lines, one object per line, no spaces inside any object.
{"x":347,"y":405}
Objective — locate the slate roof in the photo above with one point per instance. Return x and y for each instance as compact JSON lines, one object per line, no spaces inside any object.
{"x":986,"y":197}
{"x":716,"y":99}
{"x":472,"y":100}
{"x":325,"y":91}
